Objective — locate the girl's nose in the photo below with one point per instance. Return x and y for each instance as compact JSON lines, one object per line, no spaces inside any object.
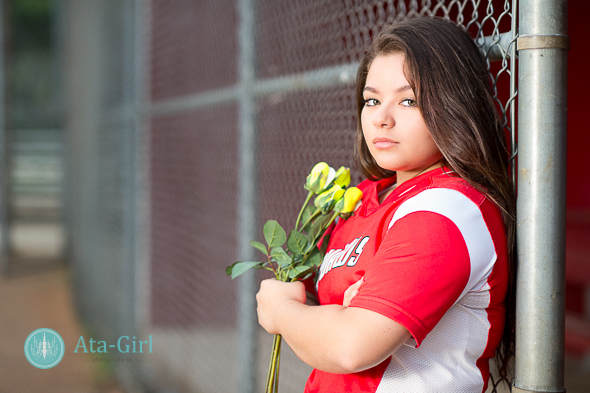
{"x":383,"y":119}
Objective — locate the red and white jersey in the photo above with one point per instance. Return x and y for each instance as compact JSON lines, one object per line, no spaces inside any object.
{"x":434,"y":259}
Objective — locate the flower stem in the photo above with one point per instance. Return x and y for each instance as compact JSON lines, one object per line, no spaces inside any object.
{"x":278,"y":363}
{"x":270,"y":369}
{"x":272,"y":379}
{"x":309,"y":195}
{"x":273,"y":268}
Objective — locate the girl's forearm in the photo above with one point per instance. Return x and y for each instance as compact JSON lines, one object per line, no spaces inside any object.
{"x":338,"y":339}
{"x":311,"y":333}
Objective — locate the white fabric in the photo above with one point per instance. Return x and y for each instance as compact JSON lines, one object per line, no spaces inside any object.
{"x":457,"y":372}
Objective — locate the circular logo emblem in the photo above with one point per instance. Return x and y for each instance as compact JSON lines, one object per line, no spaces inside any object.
{"x":44,"y":348}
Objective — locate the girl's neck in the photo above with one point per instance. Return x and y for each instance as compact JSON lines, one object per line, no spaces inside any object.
{"x":385,"y":193}
{"x":404,"y":176}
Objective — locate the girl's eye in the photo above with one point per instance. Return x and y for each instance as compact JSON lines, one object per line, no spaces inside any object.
{"x":370,"y":102}
{"x":409,"y":102}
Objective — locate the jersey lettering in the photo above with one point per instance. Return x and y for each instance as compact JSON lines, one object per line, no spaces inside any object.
{"x":344,"y":256}
{"x":357,"y":253}
{"x":348,"y":256}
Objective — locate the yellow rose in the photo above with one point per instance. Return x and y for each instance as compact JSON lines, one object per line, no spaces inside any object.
{"x":318,"y":178}
{"x":327,"y":199}
{"x":347,"y":204}
{"x":342,"y":177}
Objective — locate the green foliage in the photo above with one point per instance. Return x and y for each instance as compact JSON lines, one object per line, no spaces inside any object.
{"x":274,"y":234}
{"x":318,"y":228}
{"x":281,"y":257}
{"x":324,"y":246}
{"x":315,"y":259}
{"x":306,"y":216}
{"x":239,"y":268}
{"x":298,"y":271}
{"x":259,"y":246}
{"x":301,"y":257}
{"x":31,"y":80}
{"x":297,"y":242}
{"x":32,"y":8}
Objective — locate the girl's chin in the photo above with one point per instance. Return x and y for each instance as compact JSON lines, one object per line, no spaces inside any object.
{"x":408,"y":167}
{"x":390,"y":167}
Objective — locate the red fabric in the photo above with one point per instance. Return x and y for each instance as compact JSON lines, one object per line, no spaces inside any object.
{"x":435,"y":270}
{"x":414,"y":271}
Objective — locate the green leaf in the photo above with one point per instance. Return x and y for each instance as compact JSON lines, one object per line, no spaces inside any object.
{"x":239,"y":268}
{"x":316,"y":214}
{"x":298,"y":271}
{"x":307,"y":213}
{"x":318,"y":228}
{"x":280,"y":256}
{"x":274,"y":234}
{"x":259,"y":246}
{"x":297,"y":242}
{"x":324,"y":246}
{"x":315,"y":259}
{"x":229,"y":269}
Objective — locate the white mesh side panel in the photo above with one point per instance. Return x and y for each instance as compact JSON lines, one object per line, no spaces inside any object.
{"x":446,"y":360}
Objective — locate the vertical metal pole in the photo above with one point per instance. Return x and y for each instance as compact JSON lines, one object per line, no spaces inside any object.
{"x":141,"y":119}
{"x":128,"y":193}
{"x":247,"y":197}
{"x":142,"y":30}
{"x":542,"y":130}
{"x":128,"y":268}
{"x":513,"y":87}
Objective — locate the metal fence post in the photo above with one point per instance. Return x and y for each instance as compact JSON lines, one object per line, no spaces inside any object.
{"x":247,"y":197}
{"x":542,"y":130}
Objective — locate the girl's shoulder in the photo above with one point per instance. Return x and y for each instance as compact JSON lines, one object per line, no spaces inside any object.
{"x":451,"y":196}
{"x":454,"y":182}
{"x":442,"y":193}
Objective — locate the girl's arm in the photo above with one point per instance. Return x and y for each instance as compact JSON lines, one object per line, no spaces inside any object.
{"x":330,"y":338}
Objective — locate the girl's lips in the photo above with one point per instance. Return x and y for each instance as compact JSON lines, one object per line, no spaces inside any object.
{"x":383,"y":143}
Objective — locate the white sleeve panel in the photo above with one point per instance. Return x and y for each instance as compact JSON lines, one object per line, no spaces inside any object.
{"x":466,"y":215}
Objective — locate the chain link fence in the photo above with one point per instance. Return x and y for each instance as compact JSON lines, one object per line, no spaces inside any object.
{"x":193,"y":122}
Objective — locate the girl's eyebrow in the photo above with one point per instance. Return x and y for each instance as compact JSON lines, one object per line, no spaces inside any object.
{"x":404,"y":88}
{"x":398,"y":90}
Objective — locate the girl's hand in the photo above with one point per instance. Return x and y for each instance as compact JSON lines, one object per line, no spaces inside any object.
{"x":351,"y":292}
{"x":272,"y":295}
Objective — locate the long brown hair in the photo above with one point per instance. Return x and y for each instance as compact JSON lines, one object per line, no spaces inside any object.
{"x":449,"y":77}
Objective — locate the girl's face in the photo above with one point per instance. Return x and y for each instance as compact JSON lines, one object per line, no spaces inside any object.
{"x":393,"y":127}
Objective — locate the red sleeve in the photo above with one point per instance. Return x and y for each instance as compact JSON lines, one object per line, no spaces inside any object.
{"x":419,"y":272}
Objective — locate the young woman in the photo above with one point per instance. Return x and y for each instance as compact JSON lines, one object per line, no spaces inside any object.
{"x":415,"y":290}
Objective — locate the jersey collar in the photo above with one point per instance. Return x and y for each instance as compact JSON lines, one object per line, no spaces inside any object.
{"x":371,"y":199}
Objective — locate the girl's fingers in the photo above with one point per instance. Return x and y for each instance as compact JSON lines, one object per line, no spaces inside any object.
{"x":351,"y":292}
{"x":271,"y":296}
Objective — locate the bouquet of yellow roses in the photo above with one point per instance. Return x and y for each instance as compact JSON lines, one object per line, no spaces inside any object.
{"x":302,"y":257}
